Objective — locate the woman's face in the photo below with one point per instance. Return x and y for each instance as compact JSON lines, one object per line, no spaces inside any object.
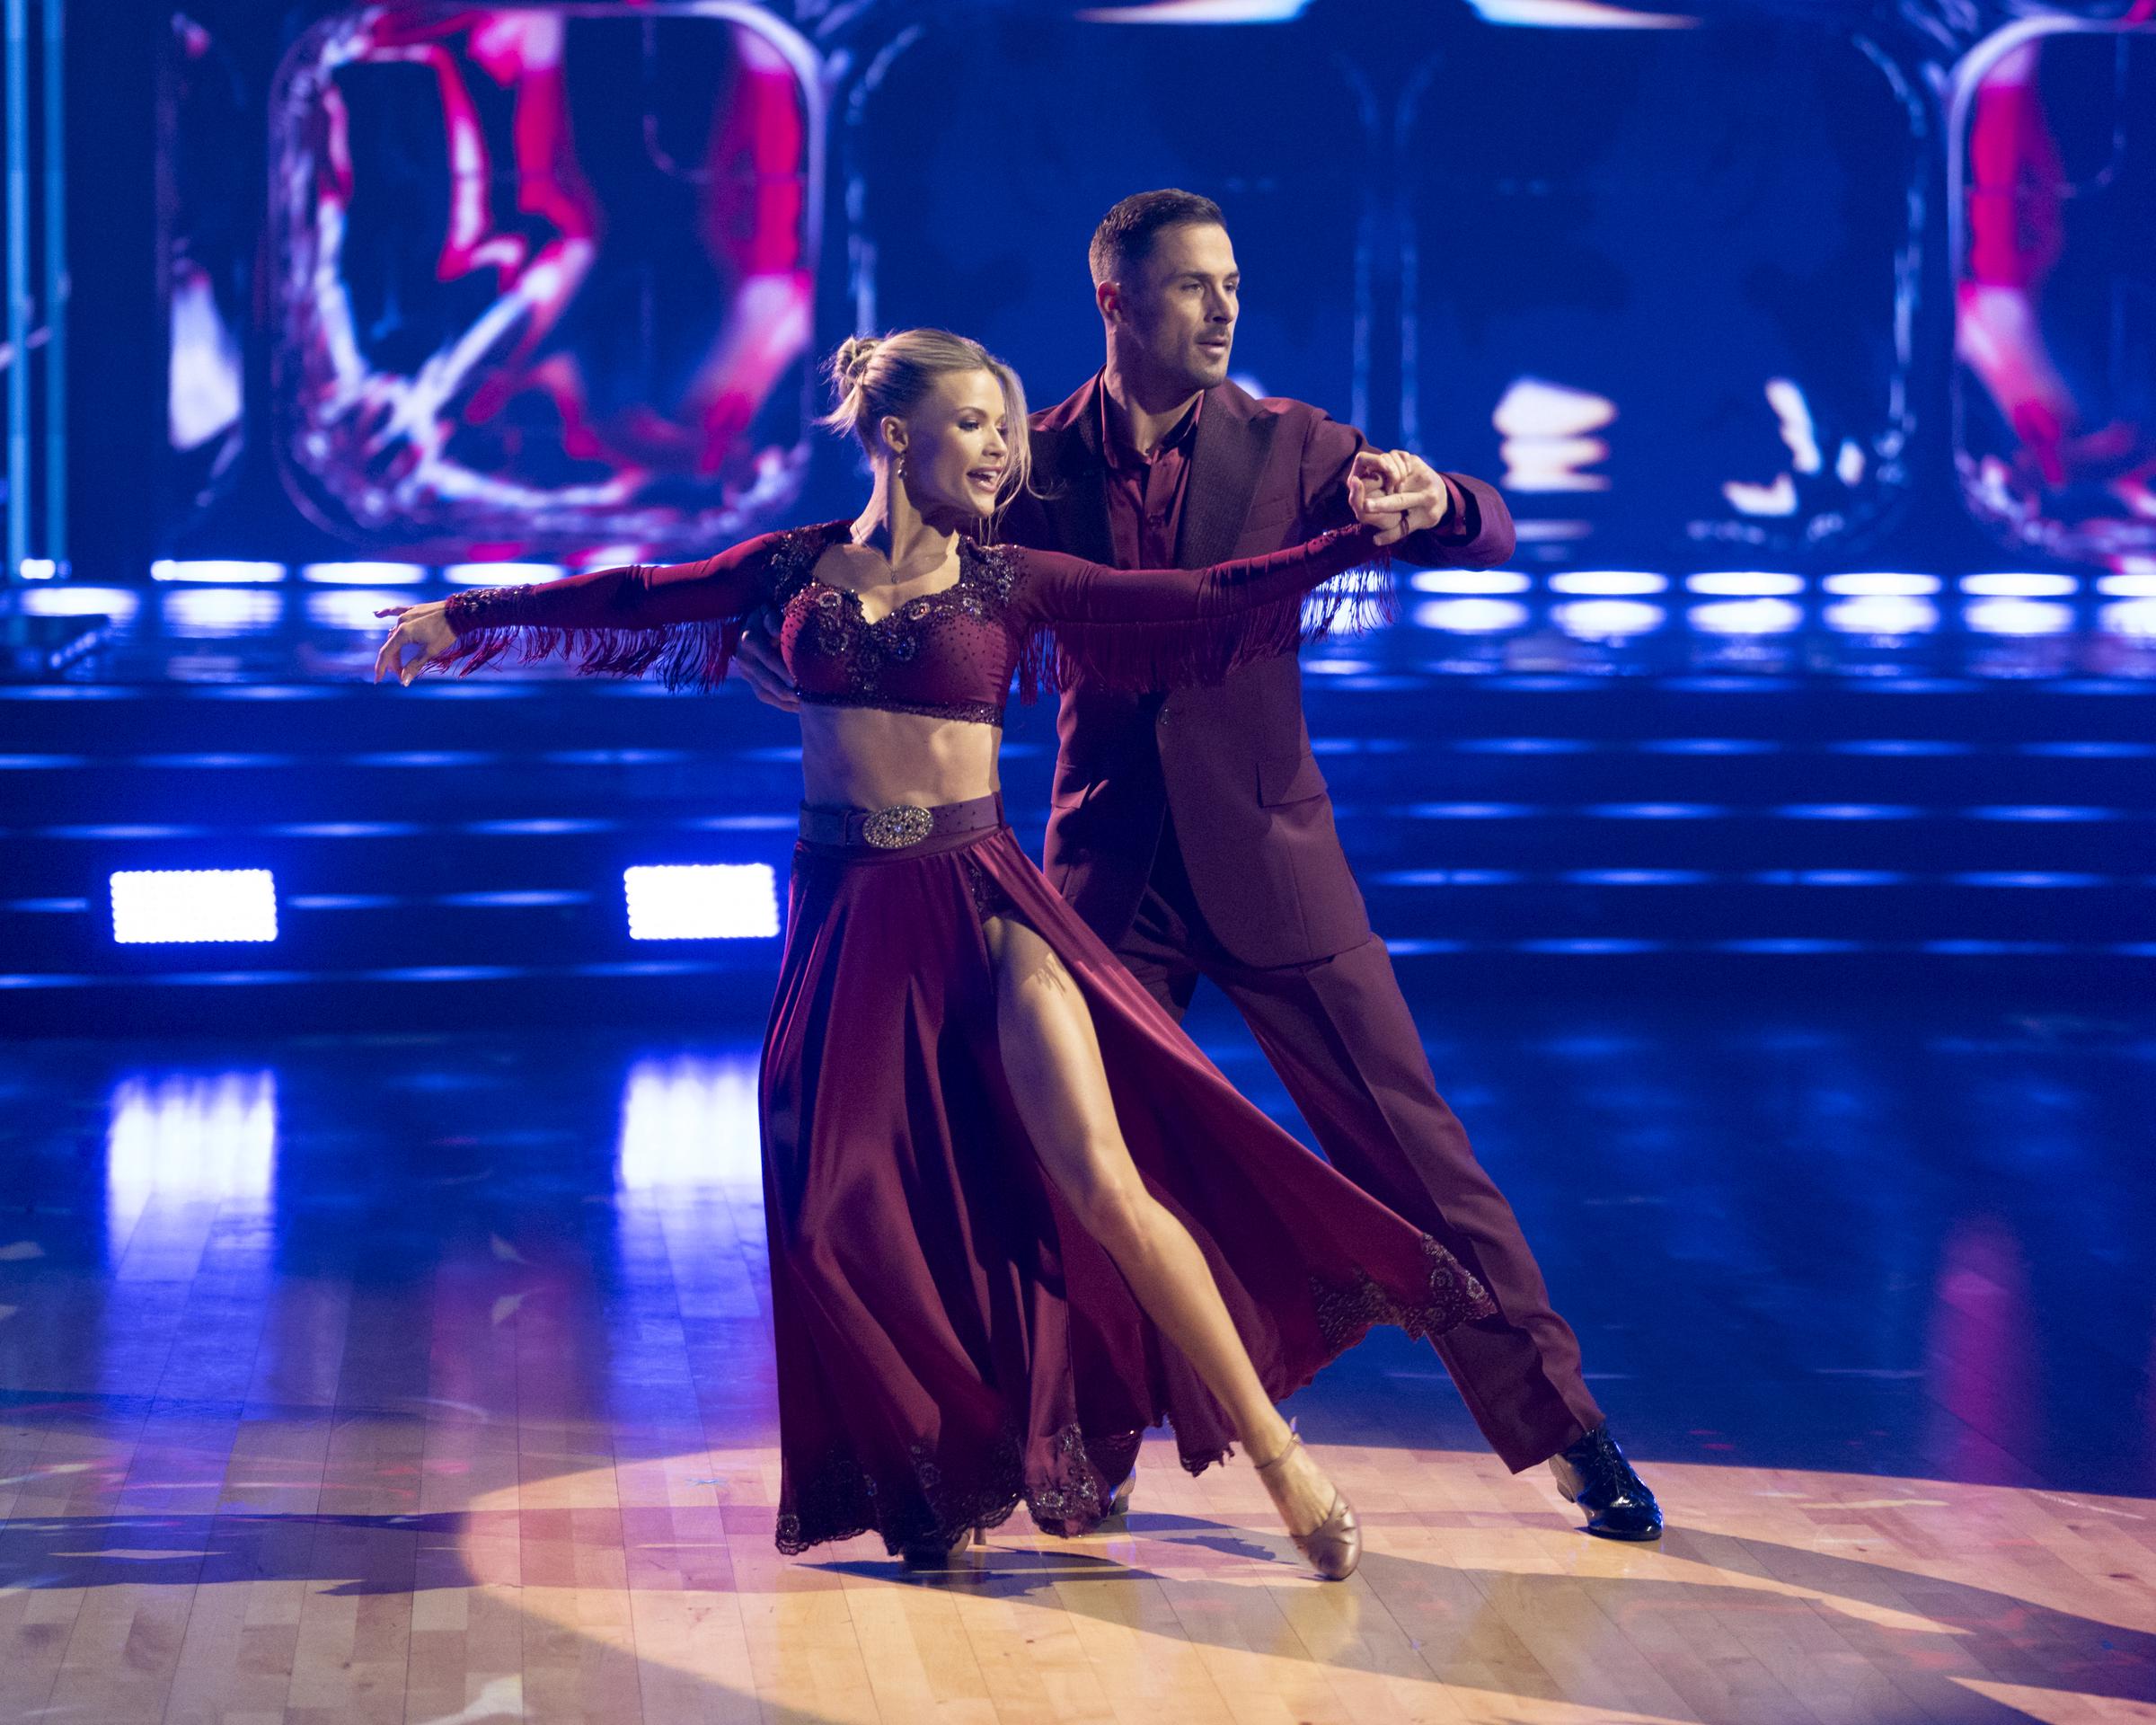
{"x":955,"y":448}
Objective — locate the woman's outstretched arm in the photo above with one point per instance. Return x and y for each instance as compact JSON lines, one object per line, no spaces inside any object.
{"x":1142,"y":629}
{"x":683,"y":619}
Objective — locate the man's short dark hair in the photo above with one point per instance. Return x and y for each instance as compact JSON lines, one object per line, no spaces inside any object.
{"x":1125,"y":237}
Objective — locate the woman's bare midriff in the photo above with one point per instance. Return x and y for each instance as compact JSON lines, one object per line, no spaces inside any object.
{"x":862,"y":757}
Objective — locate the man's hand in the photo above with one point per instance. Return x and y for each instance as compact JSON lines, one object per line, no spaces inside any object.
{"x":756,"y":662}
{"x":1401,"y":494}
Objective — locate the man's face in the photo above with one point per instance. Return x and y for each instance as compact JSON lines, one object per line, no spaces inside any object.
{"x":1175,"y":318}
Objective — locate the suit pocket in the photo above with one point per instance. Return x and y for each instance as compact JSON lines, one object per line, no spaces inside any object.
{"x":1290,"y":778}
{"x":1270,"y":525}
{"x":1073,"y":794}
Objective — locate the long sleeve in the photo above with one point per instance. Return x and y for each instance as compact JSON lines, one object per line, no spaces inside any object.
{"x":683,"y":619}
{"x":1477,"y":532}
{"x":1142,"y":629}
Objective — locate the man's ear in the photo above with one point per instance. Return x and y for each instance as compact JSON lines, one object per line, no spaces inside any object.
{"x":1108,"y":296}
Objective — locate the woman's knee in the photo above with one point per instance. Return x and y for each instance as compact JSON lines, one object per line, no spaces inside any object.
{"x":1116,"y":1210}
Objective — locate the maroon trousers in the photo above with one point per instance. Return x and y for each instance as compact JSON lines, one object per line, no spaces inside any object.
{"x":1339,"y":1034}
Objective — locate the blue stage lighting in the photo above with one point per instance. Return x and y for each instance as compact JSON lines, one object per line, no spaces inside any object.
{"x":37,"y":569}
{"x":2018,"y":616}
{"x":501,"y":574}
{"x":119,"y":603}
{"x":152,"y":905}
{"x":1469,"y":581}
{"x":1882,"y":585}
{"x":2008,"y":585}
{"x":1470,"y":616}
{"x":1882,"y":613}
{"x":222,"y":571}
{"x":353,"y":609}
{"x":1609,"y":583}
{"x":1607,"y":619}
{"x":2135,"y":618}
{"x":1746,"y":617}
{"x":1744,"y":583}
{"x":719,"y":901}
{"x":212,"y":612}
{"x":364,"y":574}
{"x":2128,"y":584}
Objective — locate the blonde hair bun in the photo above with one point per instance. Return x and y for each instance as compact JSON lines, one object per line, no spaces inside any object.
{"x":850,"y":363}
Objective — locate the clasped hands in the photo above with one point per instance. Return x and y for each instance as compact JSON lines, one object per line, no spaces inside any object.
{"x":1397,"y":493}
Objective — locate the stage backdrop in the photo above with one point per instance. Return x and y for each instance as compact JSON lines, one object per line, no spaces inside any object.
{"x":1767,"y":285}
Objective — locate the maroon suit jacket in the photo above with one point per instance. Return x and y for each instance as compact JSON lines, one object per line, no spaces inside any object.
{"x":1232,"y":761}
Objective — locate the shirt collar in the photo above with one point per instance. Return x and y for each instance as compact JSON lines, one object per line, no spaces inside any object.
{"x":1117,"y":450}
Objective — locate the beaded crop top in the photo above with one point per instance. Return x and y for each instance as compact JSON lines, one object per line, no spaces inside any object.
{"x":951,"y":654}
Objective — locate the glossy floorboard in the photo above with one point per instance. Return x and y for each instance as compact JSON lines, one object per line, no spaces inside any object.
{"x":427,"y":1379}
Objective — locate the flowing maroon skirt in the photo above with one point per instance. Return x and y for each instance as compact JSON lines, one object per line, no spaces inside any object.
{"x":950,"y":1341}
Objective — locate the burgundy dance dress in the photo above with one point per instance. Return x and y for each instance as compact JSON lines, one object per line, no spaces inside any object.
{"x":950,"y":1341}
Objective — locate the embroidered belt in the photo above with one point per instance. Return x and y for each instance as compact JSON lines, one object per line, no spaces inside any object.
{"x":899,"y":826}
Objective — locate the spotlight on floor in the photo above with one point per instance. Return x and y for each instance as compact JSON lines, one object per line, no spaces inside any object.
{"x":154,"y":905}
{"x":705,"y":901}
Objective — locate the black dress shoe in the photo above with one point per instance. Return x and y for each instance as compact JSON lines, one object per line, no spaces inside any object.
{"x":1594,"y":1474}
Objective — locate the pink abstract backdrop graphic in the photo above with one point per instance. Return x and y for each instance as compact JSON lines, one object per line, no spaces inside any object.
{"x":542,"y":280}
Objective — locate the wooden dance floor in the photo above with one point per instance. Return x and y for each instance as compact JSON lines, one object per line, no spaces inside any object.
{"x":427,"y":1379}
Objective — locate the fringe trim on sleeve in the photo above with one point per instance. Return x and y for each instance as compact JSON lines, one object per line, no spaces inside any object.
{"x":1125,"y":658}
{"x":685,"y":655}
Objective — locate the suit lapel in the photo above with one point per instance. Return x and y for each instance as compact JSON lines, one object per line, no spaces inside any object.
{"x":1226,"y":463}
{"x":1076,"y":504}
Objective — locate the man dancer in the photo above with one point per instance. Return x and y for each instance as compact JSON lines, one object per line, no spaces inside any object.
{"x":1193,"y":831}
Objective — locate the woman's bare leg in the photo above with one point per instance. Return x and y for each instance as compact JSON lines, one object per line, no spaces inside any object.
{"x":1052,"y":1059}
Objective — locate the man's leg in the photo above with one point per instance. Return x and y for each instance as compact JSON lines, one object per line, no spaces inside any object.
{"x":1339,"y":1034}
{"x":1156,"y":950}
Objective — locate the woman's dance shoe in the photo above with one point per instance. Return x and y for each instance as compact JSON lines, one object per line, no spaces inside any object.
{"x":934,"y":1556}
{"x":1335,"y":1545}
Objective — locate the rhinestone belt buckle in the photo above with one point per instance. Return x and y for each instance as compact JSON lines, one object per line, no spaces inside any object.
{"x":893,"y":828}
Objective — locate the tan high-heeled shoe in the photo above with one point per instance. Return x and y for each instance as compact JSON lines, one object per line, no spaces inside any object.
{"x":1335,"y":1545}
{"x":938,"y":1557}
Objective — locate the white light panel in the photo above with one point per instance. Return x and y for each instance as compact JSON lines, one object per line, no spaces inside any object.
{"x":1607,"y":619}
{"x":1470,"y":616}
{"x":705,"y":901}
{"x":224,"y":571}
{"x":1469,"y":581}
{"x":2007,"y":585}
{"x":1761,"y":616}
{"x":1745,"y":583}
{"x":1609,"y":583}
{"x":1883,"y":584}
{"x":154,"y":905}
{"x":2018,"y":616}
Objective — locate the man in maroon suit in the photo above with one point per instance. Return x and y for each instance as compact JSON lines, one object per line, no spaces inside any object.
{"x":1193,"y":831}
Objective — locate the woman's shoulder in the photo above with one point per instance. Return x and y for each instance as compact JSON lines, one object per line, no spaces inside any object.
{"x":791,"y":553}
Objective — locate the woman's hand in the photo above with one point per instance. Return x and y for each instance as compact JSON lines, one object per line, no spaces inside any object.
{"x":756,"y":662}
{"x":422,"y":626}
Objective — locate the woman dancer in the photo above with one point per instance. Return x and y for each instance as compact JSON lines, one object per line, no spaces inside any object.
{"x":1015,"y":1216}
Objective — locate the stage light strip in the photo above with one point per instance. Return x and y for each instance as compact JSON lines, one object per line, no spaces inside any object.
{"x":501,"y":574}
{"x":364,"y":574}
{"x":2008,"y":585}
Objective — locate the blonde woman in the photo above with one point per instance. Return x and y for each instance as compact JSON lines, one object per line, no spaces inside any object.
{"x":1015,"y":1216}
